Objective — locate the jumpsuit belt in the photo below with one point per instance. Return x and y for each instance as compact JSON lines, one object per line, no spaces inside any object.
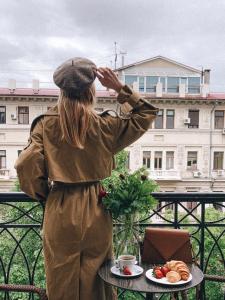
{"x":55,"y":184}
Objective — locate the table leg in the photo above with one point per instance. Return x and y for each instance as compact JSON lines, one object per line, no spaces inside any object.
{"x":150,"y":296}
{"x":174,"y":296}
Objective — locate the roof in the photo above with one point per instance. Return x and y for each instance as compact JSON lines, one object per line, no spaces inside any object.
{"x":100,"y":93}
{"x":45,"y":92}
{"x":158,"y":57}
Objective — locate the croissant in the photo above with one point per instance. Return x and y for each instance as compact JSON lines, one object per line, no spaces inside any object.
{"x":173,"y":276}
{"x":180,"y":267}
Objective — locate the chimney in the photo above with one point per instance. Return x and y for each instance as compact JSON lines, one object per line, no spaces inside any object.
{"x":35,"y":85}
{"x":12,"y":85}
{"x":122,"y":57}
{"x":206,"y":76}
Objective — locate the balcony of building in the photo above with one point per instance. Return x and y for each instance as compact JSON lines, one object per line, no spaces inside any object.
{"x":4,"y":173}
{"x":165,"y":174}
{"x":21,"y":258}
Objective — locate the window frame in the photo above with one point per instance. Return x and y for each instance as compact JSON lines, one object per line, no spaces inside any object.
{"x":158,"y":160}
{"x":3,"y":113}
{"x":3,"y":166}
{"x":221,"y":117}
{"x":167,"y":116}
{"x":172,"y":158}
{"x":157,"y":118}
{"x":191,"y":168}
{"x":195,"y":86}
{"x":23,"y":115}
{"x":214,"y":161}
{"x":146,"y":161}
{"x":175,"y":87}
{"x":191,"y":125}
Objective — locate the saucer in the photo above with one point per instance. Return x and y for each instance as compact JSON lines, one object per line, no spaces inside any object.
{"x":136,"y":271}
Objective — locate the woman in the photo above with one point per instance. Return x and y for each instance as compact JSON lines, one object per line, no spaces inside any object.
{"x":72,"y":147}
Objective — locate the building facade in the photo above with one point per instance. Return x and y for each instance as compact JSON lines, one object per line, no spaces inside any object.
{"x":183,"y":151}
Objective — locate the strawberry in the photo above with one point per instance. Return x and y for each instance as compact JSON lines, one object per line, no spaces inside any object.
{"x":156,"y":268}
{"x":164,"y":270}
{"x":126,"y":271}
{"x":158,"y":274}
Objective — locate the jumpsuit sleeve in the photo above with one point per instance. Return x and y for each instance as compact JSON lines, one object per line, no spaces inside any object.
{"x":31,"y":166}
{"x":127,"y":131}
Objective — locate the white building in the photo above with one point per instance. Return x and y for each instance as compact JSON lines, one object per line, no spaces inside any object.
{"x":184,"y":149}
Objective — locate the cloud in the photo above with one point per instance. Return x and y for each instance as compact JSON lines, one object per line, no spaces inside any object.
{"x":39,"y":35}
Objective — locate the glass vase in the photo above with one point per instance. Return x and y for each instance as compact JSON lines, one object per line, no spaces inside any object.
{"x":126,"y":238}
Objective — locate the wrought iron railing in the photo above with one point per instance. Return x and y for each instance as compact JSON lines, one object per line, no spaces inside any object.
{"x":21,"y":260}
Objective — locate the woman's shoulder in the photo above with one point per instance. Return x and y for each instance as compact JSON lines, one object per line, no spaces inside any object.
{"x":53,"y":111}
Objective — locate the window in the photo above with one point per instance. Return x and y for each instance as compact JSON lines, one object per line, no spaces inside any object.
{"x":130,"y":79}
{"x":2,"y":159}
{"x":169,"y":160}
{"x":219,"y":119}
{"x":194,"y":85}
{"x":23,"y":114}
{"x":192,"y":160}
{"x":147,"y":159}
{"x":151,"y":82}
{"x":158,"y":160}
{"x":141,"y":84}
{"x":169,"y":118}
{"x":194,"y":118}
{"x":173,"y":84}
{"x":2,"y":114}
{"x":218,"y":161}
{"x":159,"y":120}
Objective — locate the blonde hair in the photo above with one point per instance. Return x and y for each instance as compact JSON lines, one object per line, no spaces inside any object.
{"x":74,"y":115}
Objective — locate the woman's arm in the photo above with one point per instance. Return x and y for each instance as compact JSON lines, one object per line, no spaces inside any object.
{"x":31,"y":166}
{"x":126,"y":131}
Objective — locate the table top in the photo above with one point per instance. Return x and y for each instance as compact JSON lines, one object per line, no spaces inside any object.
{"x":143,"y":284}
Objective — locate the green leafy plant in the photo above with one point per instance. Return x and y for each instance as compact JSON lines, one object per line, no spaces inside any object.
{"x":130,"y":193}
{"x":128,"y":197}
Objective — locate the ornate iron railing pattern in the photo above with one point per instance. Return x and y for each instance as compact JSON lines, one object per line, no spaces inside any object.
{"x":21,"y":243}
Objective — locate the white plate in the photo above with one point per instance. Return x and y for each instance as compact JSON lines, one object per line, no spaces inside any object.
{"x":137,"y":270}
{"x":149,"y":275}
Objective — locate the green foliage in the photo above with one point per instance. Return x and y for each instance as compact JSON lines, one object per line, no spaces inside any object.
{"x":128,"y":199}
{"x":215,"y":265}
{"x":16,"y":187}
{"x":130,"y":193}
{"x":29,"y":246}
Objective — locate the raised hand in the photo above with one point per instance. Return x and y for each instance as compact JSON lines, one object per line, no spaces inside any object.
{"x":109,"y":79}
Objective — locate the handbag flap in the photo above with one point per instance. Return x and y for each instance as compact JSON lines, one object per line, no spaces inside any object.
{"x":167,"y":241}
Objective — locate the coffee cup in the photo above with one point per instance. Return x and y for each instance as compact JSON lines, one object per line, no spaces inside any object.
{"x":125,"y":260}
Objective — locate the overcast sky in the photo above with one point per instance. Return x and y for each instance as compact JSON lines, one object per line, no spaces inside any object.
{"x":37,"y":35}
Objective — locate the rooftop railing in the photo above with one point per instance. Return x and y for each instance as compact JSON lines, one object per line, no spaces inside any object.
{"x":203,"y":214}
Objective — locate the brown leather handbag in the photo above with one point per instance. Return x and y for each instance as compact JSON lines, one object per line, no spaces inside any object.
{"x":162,"y":245}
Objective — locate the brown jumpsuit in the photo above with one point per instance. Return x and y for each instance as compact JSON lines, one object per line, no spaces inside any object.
{"x":77,"y":229}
